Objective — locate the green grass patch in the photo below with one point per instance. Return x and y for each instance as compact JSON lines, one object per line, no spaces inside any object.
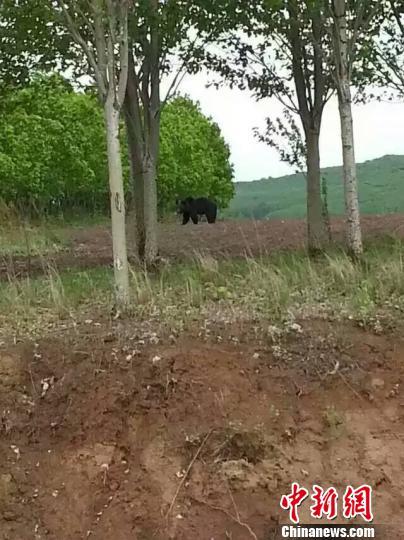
{"x":40,"y":236}
{"x":31,"y":240}
{"x":270,"y":289}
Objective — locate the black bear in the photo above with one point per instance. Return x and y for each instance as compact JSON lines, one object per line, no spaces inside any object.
{"x":193,"y":208}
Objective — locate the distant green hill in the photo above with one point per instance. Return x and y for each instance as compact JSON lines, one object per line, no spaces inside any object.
{"x":381,"y":191}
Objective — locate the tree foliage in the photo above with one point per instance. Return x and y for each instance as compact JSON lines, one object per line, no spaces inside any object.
{"x":30,"y":39}
{"x":283,"y":51}
{"x":162,"y":38}
{"x":53,"y":151}
{"x":280,"y":42}
{"x":194,"y":158}
{"x":385,"y":59}
{"x":52,"y":148}
{"x":285,"y":136}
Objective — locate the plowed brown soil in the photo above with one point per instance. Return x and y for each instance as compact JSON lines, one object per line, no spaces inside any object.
{"x":91,"y":247}
{"x":99,"y":429}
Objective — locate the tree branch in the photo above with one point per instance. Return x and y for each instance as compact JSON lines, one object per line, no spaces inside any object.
{"x":99,"y":36}
{"x":280,"y":96}
{"x":132,"y":106}
{"x":297,"y":65}
{"x":124,"y":55}
{"x":319,"y":78}
{"x":307,"y":78}
{"x":397,"y":16}
{"x":172,"y":90}
{"x":78,"y":38}
{"x":111,"y":68}
{"x":178,"y":78}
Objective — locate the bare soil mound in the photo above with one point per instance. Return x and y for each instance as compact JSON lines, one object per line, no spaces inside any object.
{"x":111,"y":435}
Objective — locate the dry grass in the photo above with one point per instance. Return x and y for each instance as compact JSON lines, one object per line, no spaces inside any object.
{"x":275,"y":288}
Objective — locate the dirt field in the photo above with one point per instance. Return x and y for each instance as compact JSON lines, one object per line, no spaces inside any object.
{"x":111,"y":432}
{"x":92,"y":246}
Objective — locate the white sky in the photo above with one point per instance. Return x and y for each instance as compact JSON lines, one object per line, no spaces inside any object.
{"x":379,"y":129}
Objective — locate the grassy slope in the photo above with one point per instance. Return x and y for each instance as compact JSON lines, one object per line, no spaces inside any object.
{"x":282,"y":286}
{"x":381,"y":185}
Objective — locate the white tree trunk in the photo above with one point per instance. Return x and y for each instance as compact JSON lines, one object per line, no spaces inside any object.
{"x":341,"y":43}
{"x":354,"y":235}
{"x":121,"y":270}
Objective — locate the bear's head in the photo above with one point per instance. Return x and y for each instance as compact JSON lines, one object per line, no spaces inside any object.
{"x":184,"y":205}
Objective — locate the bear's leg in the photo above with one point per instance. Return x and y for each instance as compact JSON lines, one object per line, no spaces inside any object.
{"x":211,"y":216}
{"x":185,"y":218}
{"x":194,"y":218}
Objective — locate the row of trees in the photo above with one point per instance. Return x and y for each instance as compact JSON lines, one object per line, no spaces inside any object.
{"x":300,"y":51}
{"x":53,"y":152}
{"x":303,"y":52}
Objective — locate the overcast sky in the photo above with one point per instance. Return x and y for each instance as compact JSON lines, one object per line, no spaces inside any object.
{"x":379,"y":129}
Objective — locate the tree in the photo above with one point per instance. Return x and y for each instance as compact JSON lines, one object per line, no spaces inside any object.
{"x":387,"y":55}
{"x":163,"y":40}
{"x":102,"y":35}
{"x":30,"y":40}
{"x":343,"y":80}
{"x":160,"y":43}
{"x":142,"y":115}
{"x":54,"y":140}
{"x":194,"y":158}
{"x":284,"y":135}
{"x":345,"y":48}
{"x":53,"y":157}
{"x":283,"y":52}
